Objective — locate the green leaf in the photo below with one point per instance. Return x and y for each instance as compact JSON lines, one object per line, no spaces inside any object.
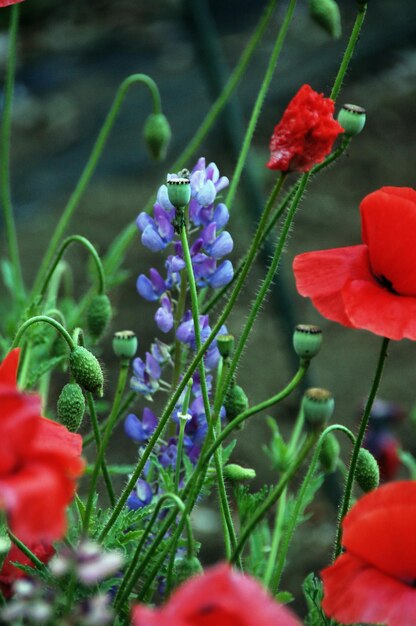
{"x":284,"y":597}
{"x":313,"y":592}
{"x":35,"y":373}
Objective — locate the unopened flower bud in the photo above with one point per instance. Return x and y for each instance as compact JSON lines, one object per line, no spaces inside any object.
{"x":235,"y":401}
{"x":367,"y":472}
{"x":352,"y":119}
{"x":329,"y":453}
{"x":237,"y":474}
{"x":307,"y":340}
{"x":326,"y":14}
{"x":157,"y":135}
{"x":71,"y":406}
{"x":185,"y":567}
{"x":179,"y":190}
{"x":125,"y":344}
{"x":318,"y":406}
{"x":225,"y":345}
{"x":99,"y":315}
{"x":86,"y":370}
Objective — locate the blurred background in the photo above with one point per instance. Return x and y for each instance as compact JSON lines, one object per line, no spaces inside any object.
{"x":71,"y":59}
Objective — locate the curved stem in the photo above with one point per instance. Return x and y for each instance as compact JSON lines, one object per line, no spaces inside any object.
{"x":48,"y":320}
{"x":97,"y":435}
{"x":90,"y":167}
{"x":259,"y":103}
{"x":349,"y":51}
{"x":358,"y":442}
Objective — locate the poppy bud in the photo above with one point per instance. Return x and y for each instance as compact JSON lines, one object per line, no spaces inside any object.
{"x":185,"y":567}
{"x":307,"y":340}
{"x":237,"y":474}
{"x":99,"y":315}
{"x":326,"y":14}
{"x":179,"y":190}
{"x":367,"y":473}
{"x":86,"y":370}
{"x":71,"y":406}
{"x":225,"y":345}
{"x":157,"y":134}
{"x":235,"y":401}
{"x":125,"y":344}
{"x":352,"y":119}
{"x":329,"y":453}
{"x":318,"y":406}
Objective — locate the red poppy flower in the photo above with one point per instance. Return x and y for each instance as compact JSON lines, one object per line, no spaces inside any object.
{"x":305,"y":134}
{"x":220,"y":597}
{"x":373,"y":285}
{"x":6,"y":3}
{"x":39,"y":462}
{"x":9,"y":573}
{"x":374,"y":580}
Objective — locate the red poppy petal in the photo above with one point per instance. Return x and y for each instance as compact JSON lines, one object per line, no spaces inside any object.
{"x":9,"y":366}
{"x":371,"y":307}
{"x":388,"y":227}
{"x":55,"y":443}
{"x":9,"y":573}
{"x":321,"y":276}
{"x":19,"y":422}
{"x":355,"y":592}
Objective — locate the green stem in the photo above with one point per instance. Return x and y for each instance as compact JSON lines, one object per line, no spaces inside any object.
{"x":277,"y":534}
{"x":97,"y":435}
{"x":349,"y":51}
{"x":121,"y":384}
{"x":5,"y":154}
{"x":259,"y":103}
{"x":90,"y":168}
{"x":48,"y":320}
{"x":130,"y":398}
{"x":299,"y":505}
{"x":358,"y":442}
{"x":23,"y":548}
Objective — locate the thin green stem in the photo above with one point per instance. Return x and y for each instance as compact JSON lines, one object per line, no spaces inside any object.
{"x":358,"y":442}
{"x":23,"y":548}
{"x":48,"y":320}
{"x":276,"y":538}
{"x":259,"y":103}
{"x":130,"y":398}
{"x":349,"y":51}
{"x":90,"y":168}
{"x":6,"y":198}
{"x":97,"y":435}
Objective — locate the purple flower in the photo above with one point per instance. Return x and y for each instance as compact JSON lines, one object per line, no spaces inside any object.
{"x":140,"y":430}
{"x":141,"y":495}
{"x":157,"y":233}
{"x":214,"y":246}
{"x":186,"y":330}
{"x":222,"y":275}
{"x":168,"y":453}
{"x":146,"y":375}
{"x":151,"y":288}
{"x":161,"y":352}
{"x":164,"y":315}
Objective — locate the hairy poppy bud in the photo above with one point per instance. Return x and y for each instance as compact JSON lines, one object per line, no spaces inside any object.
{"x":99,"y":315}
{"x":352,"y":119}
{"x":326,"y":14}
{"x":237,"y":473}
{"x":186,"y":567}
{"x":367,"y":473}
{"x":179,"y":190}
{"x":307,"y":340}
{"x":235,"y":401}
{"x":125,"y":344}
{"x":71,"y":406}
{"x":86,"y":370}
{"x":157,"y":135}
{"x":329,"y":453}
{"x":225,"y":345}
{"x":318,"y":406}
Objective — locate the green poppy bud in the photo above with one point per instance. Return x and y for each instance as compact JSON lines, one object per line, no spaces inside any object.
{"x":367,"y":472}
{"x":225,"y":345}
{"x":318,"y":406}
{"x":185,"y":567}
{"x":86,"y":370}
{"x":326,"y":14}
{"x":329,"y":453}
{"x":307,"y":340}
{"x":99,"y":315}
{"x":237,"y":474}
{"x":235,"y":401}
{"x":157,"y":135}
{"x":352,"y":119}
{"x":179,"y":189}
{"x":125,"y":344}
{"x":71,"y":406}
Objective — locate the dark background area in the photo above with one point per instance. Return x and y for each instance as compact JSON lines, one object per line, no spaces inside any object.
{"x":73,"y":56}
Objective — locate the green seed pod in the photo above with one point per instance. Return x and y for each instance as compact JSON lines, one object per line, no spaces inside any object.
{"x":352,"y":119}
{"x":86,"y":370}
{"x":318,"y":406}
{"x":157,"y":135}
{"x":326,"y":14}
{"x":237,"y":474}
{"x":225,"y":344}
{"x":235,"y":401}
{"x":71,"y":406}
{"x":125,"y":344}
{"x":307,"y":340}
{"x":329,"y":453}
{"x":99,"y":315}
{"x":179,"y":191}
{"x":367,"y":472}
{"x":185,"y":567}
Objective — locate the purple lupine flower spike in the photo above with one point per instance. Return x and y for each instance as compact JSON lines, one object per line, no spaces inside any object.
{"x":164,"y":315}
{"x":151,"y":288}
{"x":141,"y":495}
{"x":145,"y":379}
{"x":140,"y":430}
